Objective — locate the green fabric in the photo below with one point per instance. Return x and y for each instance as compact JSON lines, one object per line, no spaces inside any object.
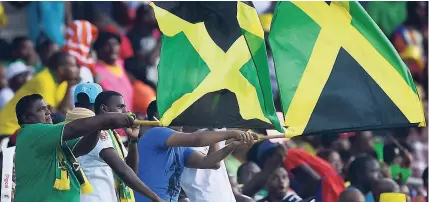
{"x":35,"y":165}
{"x":369,"y":29}
{"x":387,"y":14}
{"x":71,"y":143}
{"x":257,"y":73}
{"x":181,"y":70}
{"x":196,"y":70}
{"x":290,"y":56}
{"x":292,"y":38}
{"x":232,"y":164}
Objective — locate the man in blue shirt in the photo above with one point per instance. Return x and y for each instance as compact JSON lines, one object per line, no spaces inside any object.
{"x":165,"y":152}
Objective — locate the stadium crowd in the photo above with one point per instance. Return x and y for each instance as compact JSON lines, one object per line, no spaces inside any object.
{"x":84,"y":60}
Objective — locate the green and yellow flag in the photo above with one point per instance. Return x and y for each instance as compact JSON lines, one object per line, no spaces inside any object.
{"x":213,"y":70}
{"x":337,"y":72}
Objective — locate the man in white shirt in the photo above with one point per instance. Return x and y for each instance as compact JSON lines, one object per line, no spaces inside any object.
{"x":207,"y":185}
{"x":108,"y":167}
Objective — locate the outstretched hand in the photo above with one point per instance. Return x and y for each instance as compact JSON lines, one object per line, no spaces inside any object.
{"x":245,"y":139}
{"x":134,"y":130}
{"x":121,"y":120}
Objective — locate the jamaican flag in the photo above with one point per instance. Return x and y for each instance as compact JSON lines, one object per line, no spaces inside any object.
{"x":337,"y":72}
{"x":213,"y":69}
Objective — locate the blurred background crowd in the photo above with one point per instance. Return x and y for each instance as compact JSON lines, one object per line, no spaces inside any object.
{"x":117,"y":44}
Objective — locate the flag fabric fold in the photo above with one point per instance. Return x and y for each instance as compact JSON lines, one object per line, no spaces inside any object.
{"x":213,"y":69}
{"x":337,"y":72}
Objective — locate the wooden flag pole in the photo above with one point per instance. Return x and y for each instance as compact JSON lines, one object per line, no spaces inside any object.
{"x":147,"y":123}
{"x":158,"y":123}
{"x":262,"y":138}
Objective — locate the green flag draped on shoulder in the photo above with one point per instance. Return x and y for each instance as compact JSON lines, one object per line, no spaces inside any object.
{"x":337,"y":72}
{"x":213,"y":70}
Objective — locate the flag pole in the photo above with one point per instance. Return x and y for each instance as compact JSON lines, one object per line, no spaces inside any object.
{"x":262,"y":138}
{"x":158,"y":123}
{"x":147,"y":123}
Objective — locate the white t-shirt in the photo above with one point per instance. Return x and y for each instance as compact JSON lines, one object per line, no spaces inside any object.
{"x":99,"y":174}
{"x":6,"y":94}
{"x":207,"y":185}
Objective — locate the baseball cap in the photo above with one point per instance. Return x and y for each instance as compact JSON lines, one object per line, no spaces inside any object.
{"x":264,"y":147}
{"x":90,"y":89}
{"x":15,"y":69}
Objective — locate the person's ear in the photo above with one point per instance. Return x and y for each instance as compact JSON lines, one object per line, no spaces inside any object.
{"x":24,"y":118}
{"x":103,"y":108}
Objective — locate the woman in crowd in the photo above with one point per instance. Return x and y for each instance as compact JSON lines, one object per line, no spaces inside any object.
{"x":109,"y":69}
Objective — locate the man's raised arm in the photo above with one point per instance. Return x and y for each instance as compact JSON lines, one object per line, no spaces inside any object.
{"x":85,"y":126}
{"x":201,"y":138}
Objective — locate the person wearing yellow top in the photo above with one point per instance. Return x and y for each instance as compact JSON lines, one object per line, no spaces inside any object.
{"x":52,"y":83}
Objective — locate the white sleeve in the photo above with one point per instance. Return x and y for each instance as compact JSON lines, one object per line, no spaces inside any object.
{"x":103,"y":142}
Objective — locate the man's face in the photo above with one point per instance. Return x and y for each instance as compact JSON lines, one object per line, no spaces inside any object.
{"x":278,"y":183}
{"x":39,"y":113}
{"x":372,"y":172}
{"x":70,"y":71}
{"x":335,"y":160}
{"x":16,"y":82}
{"x":116,"y":104}
{"x":248,"y":172}
{"x":26,"y":50}
{"x":110,"y":50}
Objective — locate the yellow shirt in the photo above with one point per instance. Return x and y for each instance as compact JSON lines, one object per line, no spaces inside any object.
{"x":44,"y":84}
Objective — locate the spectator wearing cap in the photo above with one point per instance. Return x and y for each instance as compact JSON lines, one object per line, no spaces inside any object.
{"x":109,"y":68}
{"x":52,"y":83}
{"x":17,"y":74}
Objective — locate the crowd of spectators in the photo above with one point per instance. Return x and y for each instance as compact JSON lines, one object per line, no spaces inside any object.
{"x":117,"y":44}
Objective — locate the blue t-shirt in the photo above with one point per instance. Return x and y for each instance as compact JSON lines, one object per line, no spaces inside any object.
{"x":160,"y":167}
{"x":368,"y":197}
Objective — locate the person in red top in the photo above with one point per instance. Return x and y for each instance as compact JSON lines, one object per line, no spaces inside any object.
{"x":331,"y":183}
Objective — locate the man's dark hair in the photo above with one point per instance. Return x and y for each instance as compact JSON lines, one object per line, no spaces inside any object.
{"x":44,"y":45}
{"x":357,"y":167}
{"x":17,"y":41}
{"x":24,"y":104}
{"x":103,"y":98}
{"x":252,"y":154}
{"x":151,"y":111}
{"x":325,"y":153}
{"x":142,"y":10}
{"x":58,"y":59}
{"x":103,"y":37}
{"x":82,"y":101}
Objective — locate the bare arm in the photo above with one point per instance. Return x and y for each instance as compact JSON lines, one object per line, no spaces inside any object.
{"x":87,"y":126}
{"x":211,"y":161}
{"x":133,"y":156}
{"x":126,"y":174}
{"x":259,"y":180}
{"x":212,"y":149}
{"x":200,"y":139}
{"x":66,"y":104}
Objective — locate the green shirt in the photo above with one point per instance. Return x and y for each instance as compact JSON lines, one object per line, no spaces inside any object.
{"x":232,"y":164}
{"x":36,"y":160}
